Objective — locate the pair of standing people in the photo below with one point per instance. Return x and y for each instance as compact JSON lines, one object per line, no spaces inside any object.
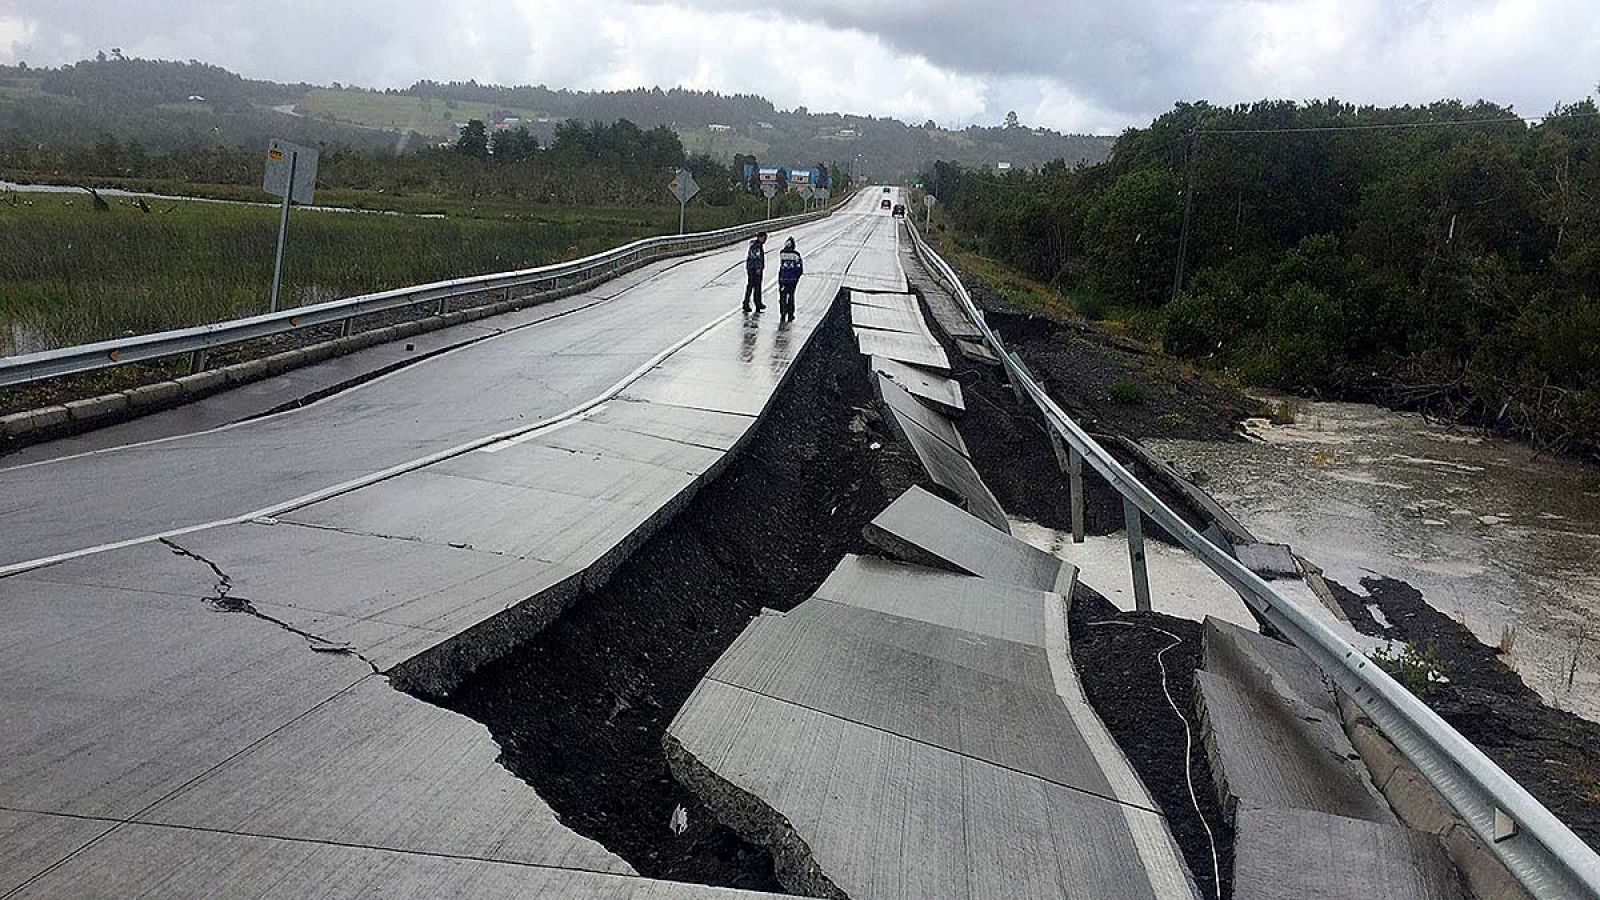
{"x":790,"y":268}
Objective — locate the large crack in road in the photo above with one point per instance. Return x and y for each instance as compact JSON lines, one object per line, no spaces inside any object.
{"x":581,"y":710}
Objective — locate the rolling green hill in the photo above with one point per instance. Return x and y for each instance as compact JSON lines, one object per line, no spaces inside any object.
{"x":167,"y":106}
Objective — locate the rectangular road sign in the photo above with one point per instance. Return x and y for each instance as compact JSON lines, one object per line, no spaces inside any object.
{"x":280,"y":155}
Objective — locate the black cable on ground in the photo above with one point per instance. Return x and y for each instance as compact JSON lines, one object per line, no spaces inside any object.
{"x":1188,"y":740}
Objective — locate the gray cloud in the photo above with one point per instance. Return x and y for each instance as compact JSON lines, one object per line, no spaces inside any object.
{"x":1072,"y":64}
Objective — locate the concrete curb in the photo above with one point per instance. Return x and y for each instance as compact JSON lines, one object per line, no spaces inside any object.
{"x":1422,"y":808}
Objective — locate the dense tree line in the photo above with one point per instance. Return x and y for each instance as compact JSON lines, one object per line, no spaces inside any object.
{"x":587,"y":163}
{"x":150,"y":101}
{"x":1452,"y":267}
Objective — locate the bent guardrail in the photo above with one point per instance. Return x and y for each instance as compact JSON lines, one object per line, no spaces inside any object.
{"x":196,"y":341}
{"x":1539,"y":850}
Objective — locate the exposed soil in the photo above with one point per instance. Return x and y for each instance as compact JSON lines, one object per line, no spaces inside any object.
{"x":1011,"y":448}
{"x":1552,"y":753}
{"x":1112,"y":384}
{"x":1115,"y":653}
{"x":580,"y":711}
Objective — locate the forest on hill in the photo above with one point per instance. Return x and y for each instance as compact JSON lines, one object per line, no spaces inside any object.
{"x":169,"y":106}
{"x":1443,"y":258}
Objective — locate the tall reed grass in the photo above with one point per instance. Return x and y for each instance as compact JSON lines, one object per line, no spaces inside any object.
{"x":70,"y":274}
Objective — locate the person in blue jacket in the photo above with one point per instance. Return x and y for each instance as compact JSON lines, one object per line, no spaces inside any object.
{"x":790,"y":268}
{"x":755,"y":265}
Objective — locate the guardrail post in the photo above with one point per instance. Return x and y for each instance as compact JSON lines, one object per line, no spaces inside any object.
{"x":1075,"y":482}
{"x":1071,"y":462}
{"x":344,"y":327}
{"x":1016,"y":383}
{"x":197,"y":361}
{"x":1141,"y":577}
{"x":444,"y":304}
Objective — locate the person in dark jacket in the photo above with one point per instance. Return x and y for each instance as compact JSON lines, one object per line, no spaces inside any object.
{"x":755,"y":265}
{"x":790,"y":268}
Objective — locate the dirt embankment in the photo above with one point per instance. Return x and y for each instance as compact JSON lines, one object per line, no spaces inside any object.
{"x":580,"y":710}
{"x":1552,"y":753}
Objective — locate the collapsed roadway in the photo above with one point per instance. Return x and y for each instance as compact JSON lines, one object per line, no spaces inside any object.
{"x":242,"y":645}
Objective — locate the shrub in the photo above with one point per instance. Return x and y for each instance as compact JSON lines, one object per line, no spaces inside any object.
{"x":1127,"y":393}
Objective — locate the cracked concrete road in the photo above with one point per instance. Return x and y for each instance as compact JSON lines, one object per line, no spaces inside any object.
{"x":511,"y":380}
{"x":196,"y":699}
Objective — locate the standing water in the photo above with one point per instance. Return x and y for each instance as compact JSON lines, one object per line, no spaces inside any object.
{"x":1501,"y":539}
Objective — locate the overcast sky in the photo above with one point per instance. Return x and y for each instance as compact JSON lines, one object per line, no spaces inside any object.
{"x":1075,"y":65}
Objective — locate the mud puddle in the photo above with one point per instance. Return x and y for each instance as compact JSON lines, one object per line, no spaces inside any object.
{"x":1503,"y":540}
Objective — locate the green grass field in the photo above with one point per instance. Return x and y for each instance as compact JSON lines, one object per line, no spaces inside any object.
{"x":69,"y":274}
{"x":428,"y":116}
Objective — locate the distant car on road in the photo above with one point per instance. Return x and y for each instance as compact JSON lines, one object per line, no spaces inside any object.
{"x":885,"y":204}
{"x":886,"y":190}
{"x":900,"y":210}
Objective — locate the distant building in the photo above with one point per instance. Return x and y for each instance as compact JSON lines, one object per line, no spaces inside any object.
{"x":847,"y":132}
{"x":765,"y":125}
{"x":1002,"y":167}
{"x":769,"y":175}
{"x":719,"y":127}
{"x":196,"y":98}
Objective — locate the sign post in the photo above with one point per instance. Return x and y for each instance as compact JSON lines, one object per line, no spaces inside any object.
{"x":684,"y":188}
{"x":770,"y":190}
{"x":292,"y":175}
{"x":807,"y":193}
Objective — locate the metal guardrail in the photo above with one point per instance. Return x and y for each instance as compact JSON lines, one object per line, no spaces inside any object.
{"x":1538,"y":849}
{"x":196,"y":341}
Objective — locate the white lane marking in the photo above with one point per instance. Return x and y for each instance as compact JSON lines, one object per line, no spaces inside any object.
{"x":539,"y":432}
{"x":326,"y":493}
{"x":331,"y":491}
{"x":674,"y":263}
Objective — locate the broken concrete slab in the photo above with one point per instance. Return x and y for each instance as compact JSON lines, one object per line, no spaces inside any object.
{"x":1268,"y":560}
{"x":904,"y":321}
{"x":1020,"y":663}
{"x":914,"y":732}
{"x":822,"y":663}
{"x":943,"y":393}
{"x":377,"y":768}
{"x":158,"y":861}
{"x":853,"y":810}
{"x":922,"y":528}
{"x":977,"y":351}
{"x":1269,"y":751}
{"x":962,"y":602}
{"x":900,"y":302}
{"x":1248,"y":657}
{"x":1293,"y":854}
{"x":947,"y":464}
{"x":906,"y":407}
{"x":910,"y":349}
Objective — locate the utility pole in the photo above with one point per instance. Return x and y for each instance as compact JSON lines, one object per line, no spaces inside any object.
{"x":1192,"y":157}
